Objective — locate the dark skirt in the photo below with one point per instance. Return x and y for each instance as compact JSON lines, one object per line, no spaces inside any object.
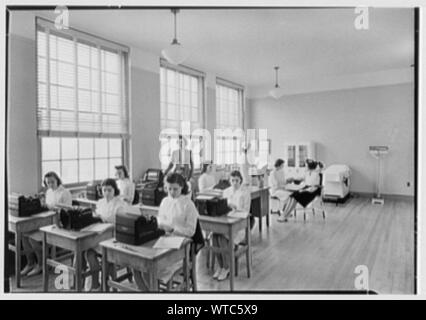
{"x":305,"y":198}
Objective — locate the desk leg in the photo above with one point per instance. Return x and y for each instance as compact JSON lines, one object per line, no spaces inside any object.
{"x":194,"y":269}
{"x":267,"y":218}
{"x":18,"y":258}
{"x":104,"y":270}
{"x":232,"y":259}
{"x":248,"y":252}
{"x":153,"y":279}
{"x":45,"y":270}
{"x":186,"y":267}
{"x":260,"y":222}
{"x":78,"y":262}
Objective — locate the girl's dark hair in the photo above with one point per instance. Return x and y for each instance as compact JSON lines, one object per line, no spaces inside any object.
{"x":123,"y":167}
{"x":311,"y":164}
{"x":52,"y":174}
{"x":236,"y":173}
{"x":205,"y":166}
{"x":180,"y":180}
{"x":111,"y":183}
{"x":278,"y":163}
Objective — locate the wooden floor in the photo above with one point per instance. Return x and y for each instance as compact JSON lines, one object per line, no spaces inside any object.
{"x":323,"y":255}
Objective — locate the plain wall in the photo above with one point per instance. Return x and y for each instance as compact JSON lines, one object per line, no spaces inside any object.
{"x":343,"y":124}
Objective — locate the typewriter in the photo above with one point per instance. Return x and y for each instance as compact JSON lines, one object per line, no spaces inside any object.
{"x":93,"y":191}
{"x":23,"y":206}
{"x":211,"y":205}
{"x":136,"y":229}
{"x":152,"y":187}
{"x":77,"y":218}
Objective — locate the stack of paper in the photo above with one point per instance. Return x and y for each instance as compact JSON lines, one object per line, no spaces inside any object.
{"x":169,"y":242}
{"x":238,"y":214}
{"x":98,"y":227}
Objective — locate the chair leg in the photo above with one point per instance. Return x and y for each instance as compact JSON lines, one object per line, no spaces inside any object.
{"x":304,"y":214}
{"x":236,"y":266}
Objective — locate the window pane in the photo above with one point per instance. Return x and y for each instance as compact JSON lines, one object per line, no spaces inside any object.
{"x":86,"y":170}
{"x":69,"y":171}
{"x":101,"y":169}
{"x":69,"y":148}
{"x":50,"y":149}
{"x":115,"y":148}
{"x":47,"y":166}
{"x":101,"y":148}
{"x":86,"y":148}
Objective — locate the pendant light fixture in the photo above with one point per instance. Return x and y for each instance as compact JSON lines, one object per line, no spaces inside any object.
{"x":174,"y":53}
{"x":276,"y":92}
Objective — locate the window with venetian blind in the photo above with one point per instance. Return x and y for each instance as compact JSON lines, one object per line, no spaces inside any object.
{"x":82,"y":105}
{"x":182,"y":104}
{"x":229,"y":121}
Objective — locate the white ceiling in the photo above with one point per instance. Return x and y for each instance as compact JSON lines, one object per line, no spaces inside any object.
{"x":243,"y":45}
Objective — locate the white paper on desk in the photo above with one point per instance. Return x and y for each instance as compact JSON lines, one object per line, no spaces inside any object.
{"x":169,"y":242}
{"x":205,"y":197}
{"x":238,"y":214}
{"x":97,"y":227}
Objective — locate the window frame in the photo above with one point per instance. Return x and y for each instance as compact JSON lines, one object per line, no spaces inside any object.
{"x":201,"y":77}
{"x":108,"y":45}
{"x":241,"y":91}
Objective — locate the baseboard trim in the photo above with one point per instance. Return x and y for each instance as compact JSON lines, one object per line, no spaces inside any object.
{"x":385,"y":196}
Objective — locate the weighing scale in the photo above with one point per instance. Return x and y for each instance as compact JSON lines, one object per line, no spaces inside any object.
{"x":378,"y":152}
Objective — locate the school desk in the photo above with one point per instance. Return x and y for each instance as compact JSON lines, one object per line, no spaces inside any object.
{"x":76,"y":242}
{"x":229,"y":226}
{"x":145,"y":258}
{"x":21,"y":225}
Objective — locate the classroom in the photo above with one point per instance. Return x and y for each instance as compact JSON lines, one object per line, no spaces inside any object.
{"x":213,"y":149}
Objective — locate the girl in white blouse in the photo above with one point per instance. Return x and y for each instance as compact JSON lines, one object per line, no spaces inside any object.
{"x":277,"y":183}
{"x":56,"y":195}
{"x":106,"y":209}
{"x":207,"y":180}
{"x":239,"y":199}
{"x":308,"y":193}
{"x":177,"y":215}
{"x":124,"y":184}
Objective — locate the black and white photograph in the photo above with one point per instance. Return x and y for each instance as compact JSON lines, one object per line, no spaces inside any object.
{"x":209,"y":149}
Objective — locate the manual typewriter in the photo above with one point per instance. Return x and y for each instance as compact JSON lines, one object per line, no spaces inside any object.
{"x":152,"y":187}
{"x":77,"y":218}
{"x":136,"y":229}
{"x":22,"y":206}
{"x":93,"y":191}
{"x":211,"y":205}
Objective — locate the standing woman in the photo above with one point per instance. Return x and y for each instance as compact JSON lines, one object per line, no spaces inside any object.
{"x":207,"y":180}
{"x":124,"y":184}
{"x":277,"y":183}
{"x":239,"y":199}
{"x":106,"y":209}
{"x":56,"y":195}
{"x":309,"y":192}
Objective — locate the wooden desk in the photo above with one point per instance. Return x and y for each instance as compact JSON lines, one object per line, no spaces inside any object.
{"x":144,"y":258}
{"x":19,"y":226}
{"x":93,"y":203}
{"x":229,"y":226}
{"x":75,"y":241}
{"x":260,"y":204}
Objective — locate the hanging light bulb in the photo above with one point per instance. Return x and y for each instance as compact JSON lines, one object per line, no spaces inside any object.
{"x":175,"y":53}
{"x":277,"y":91}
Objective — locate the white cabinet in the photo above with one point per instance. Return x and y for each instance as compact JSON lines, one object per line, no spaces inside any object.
{"x":295,"y":155}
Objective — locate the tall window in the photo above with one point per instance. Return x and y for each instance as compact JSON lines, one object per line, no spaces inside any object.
{"x":229,"y":117}
{"x":182,"y":104}
{"x":82,"y":107}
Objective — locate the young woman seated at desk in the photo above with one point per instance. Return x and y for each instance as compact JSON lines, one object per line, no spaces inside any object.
{"x":124,"y":184}
{"x":177,"y":215}
{"x":207,"y":180}
{"x":239,"y":199}
{"x":308,"y":193}
{"x":56,"y":195}
{"x":107,"y":208}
